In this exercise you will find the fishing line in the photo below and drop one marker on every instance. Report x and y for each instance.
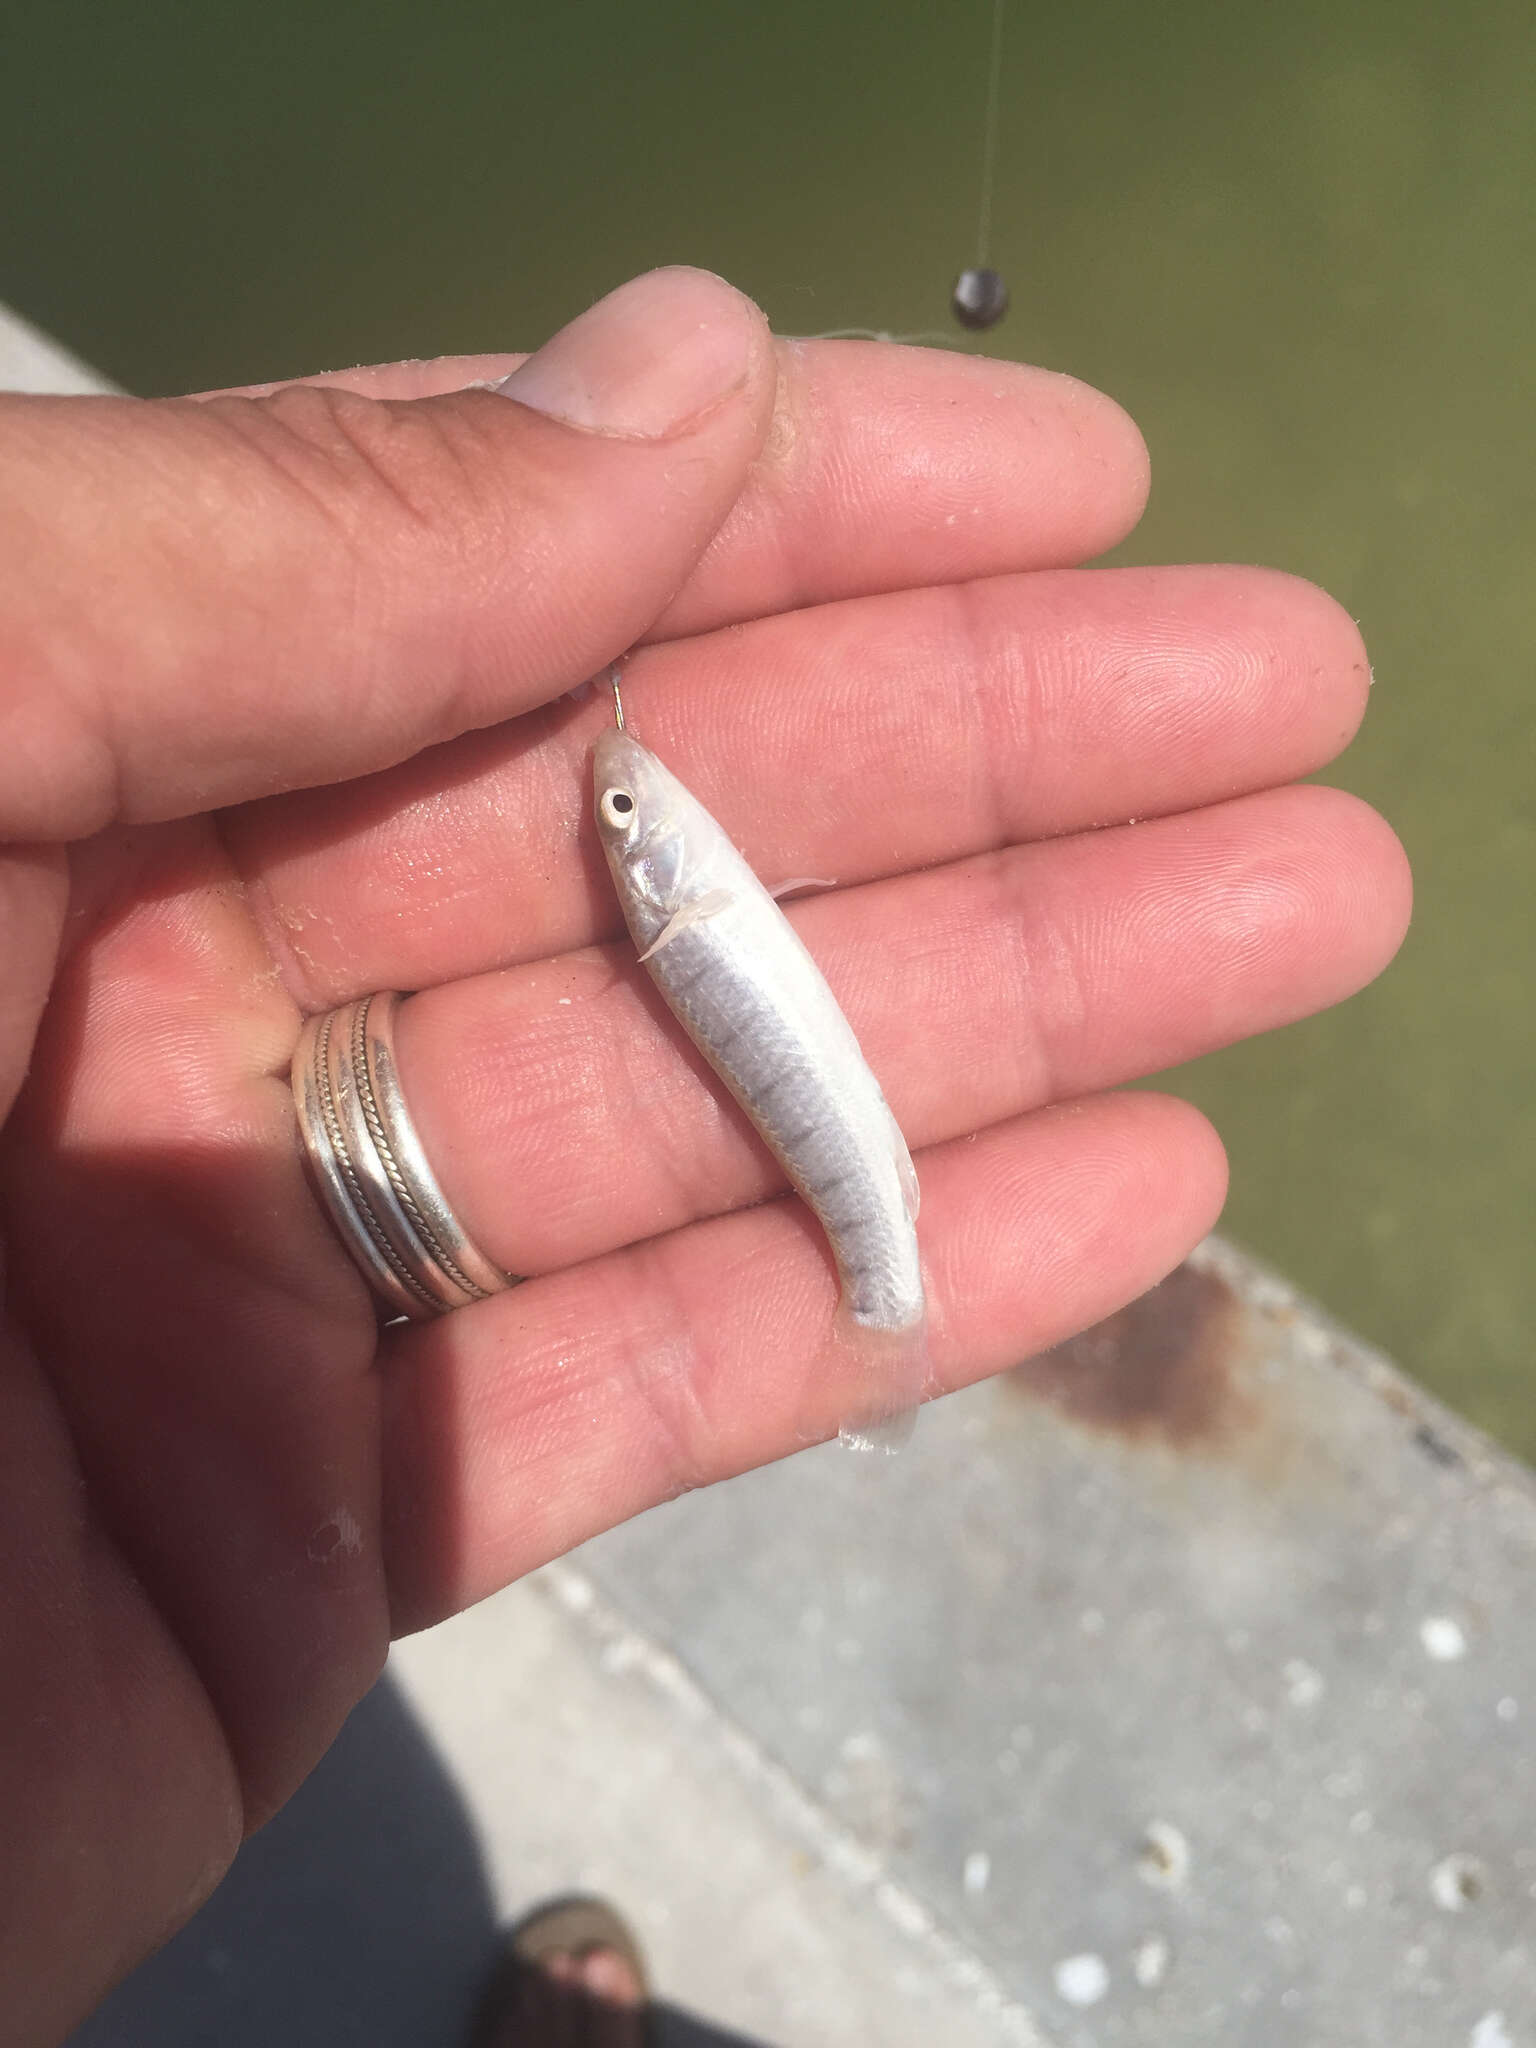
(989, 137)
(980, 297)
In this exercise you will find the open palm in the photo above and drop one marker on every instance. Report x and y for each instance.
(288, 676)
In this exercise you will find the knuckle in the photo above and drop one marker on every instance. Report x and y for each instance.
(60, 769)
(367, 463)
(673, 1371)
(1008, 706)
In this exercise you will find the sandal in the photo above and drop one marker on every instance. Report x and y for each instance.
(537, 1997)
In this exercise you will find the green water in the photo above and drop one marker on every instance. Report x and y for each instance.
(1297, 242)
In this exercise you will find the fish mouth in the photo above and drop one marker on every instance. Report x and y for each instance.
(618, 757)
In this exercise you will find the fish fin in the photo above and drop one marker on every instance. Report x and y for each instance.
(888, 1436)
(783, 889)
(906, 1172)
(708, 905)
(895, 1368)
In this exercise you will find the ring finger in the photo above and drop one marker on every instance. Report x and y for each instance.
(567, 1114)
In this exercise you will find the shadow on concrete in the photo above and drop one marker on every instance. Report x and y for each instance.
(674, 2029)
(361, 1915)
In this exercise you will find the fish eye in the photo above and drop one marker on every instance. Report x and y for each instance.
(618, 808)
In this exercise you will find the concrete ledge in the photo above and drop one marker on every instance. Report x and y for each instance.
(1182, 1677)
(33, 361)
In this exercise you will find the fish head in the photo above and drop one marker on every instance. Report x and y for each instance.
(641, 812)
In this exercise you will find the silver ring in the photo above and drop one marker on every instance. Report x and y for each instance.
(369, 1166)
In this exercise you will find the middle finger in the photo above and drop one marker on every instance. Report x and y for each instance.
(852, 741)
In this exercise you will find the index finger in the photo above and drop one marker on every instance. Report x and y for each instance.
(888, 467)
(203, 603)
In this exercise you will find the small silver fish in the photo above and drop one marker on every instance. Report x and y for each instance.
(749, 995)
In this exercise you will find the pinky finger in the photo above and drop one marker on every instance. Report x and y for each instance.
(518, 1428)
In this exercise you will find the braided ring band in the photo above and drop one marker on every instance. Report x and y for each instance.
(370, 1168)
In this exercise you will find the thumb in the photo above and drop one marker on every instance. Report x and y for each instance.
(206, 602)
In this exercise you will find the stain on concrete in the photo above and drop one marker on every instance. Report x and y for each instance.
(1161, 1369)
(1435, 1447)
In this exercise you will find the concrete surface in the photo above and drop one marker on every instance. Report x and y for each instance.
(1174, 1688)
(1177, 1687)
(1183, 1677)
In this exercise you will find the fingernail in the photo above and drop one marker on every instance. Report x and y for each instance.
(646, 360)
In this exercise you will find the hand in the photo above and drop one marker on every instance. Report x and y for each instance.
(283, 722)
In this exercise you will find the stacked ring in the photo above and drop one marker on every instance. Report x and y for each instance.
(372, 1173)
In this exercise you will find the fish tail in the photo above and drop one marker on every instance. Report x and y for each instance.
(893, 1373)
(887, 1436)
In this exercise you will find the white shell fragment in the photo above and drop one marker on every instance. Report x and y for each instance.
(1164, 1859)
(1457, 1882)
(1081, 1980)
(1443, 1638)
